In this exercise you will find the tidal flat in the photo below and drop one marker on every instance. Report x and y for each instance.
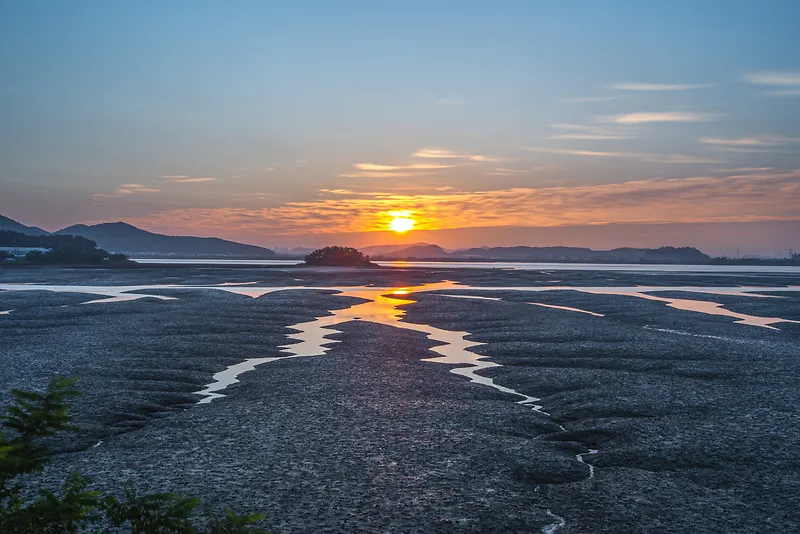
(582, 402)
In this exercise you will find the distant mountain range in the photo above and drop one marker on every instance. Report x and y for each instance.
(684, 255)
(14, 226)
(127, 239)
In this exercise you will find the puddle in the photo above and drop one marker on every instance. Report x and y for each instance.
(7, 312)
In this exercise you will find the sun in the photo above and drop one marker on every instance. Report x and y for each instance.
(401, 223)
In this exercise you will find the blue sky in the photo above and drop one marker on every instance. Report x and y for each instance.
(269, 121)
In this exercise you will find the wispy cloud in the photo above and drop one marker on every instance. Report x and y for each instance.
(650, 158)
(590, 153)
(180, 179)
(588, 136)
(451, 102)
(742, 170)
(754, 141)
(413, 166)
(440, 153)
(666, 116)
(127, 189)
(743, 197)
(656, 86)
(784, 83)
(678, 158)
(590, 99)
(588, 132)
(450, 159)
(505, 171)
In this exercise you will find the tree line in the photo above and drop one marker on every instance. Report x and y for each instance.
(61, 248)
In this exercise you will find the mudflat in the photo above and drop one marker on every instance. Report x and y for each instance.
(652, 418)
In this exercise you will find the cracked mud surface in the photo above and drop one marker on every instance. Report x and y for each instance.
(695, 417)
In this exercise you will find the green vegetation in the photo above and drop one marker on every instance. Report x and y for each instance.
(62, 248)
(338, 257)
(35, 416)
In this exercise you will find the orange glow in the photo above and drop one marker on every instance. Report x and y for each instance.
(401, 291)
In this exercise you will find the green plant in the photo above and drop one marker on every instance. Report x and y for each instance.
(34, 416)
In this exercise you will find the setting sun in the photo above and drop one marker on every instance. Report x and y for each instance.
(402, 221)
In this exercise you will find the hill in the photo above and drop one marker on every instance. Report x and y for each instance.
(683, 255)
(128, 239)
(376, 251)
(13, 226)
(423, 251)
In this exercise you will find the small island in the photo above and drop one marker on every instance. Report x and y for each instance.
(338, 257)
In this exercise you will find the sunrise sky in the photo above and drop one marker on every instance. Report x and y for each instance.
(294, 123)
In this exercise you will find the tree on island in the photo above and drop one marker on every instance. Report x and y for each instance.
(338, 257)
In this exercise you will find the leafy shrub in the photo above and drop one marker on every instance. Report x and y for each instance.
(33, 416)
(338, 257)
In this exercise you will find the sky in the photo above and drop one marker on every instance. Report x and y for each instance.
(300, 122)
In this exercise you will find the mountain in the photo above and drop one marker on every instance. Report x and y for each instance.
(14, 226)
(683, 255)
(127, 239)
(385, 250)
(417, 251)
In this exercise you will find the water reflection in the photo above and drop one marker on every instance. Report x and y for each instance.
(382, 307)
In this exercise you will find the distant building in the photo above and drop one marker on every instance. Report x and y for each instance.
(20, 252)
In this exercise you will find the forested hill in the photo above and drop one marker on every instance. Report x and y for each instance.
(62, 248)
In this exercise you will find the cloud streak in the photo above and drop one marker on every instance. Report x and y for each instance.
(653, 117)
(754, 141)
(783, 83)
(649, 158)
(180, 179)
(591, 99)
(656, 86)
(127, 189)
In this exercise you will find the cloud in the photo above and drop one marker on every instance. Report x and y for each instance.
(592, 153)
(749, 197)
(678, 158)
(656, 86)
(588, 136)
(755, 141)
(743, 170)
(783, 78)
(650, 158)
(126, 189)
(787, 81)
(132, 189)
(180, 179)
(413, 166)
(784, 92)
(668, 116)
(451, 102)
(439, 153)
(589, 99)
